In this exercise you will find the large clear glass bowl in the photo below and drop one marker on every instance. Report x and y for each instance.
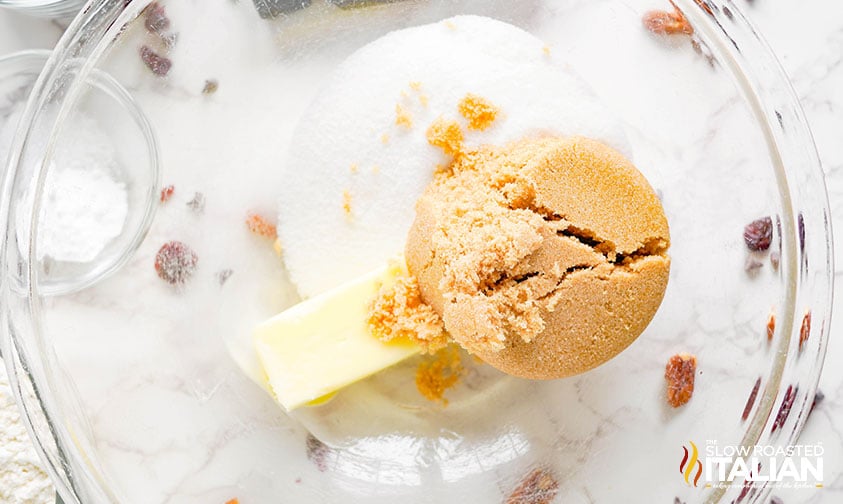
(133, 389)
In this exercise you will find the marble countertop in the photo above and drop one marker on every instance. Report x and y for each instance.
(808, 38)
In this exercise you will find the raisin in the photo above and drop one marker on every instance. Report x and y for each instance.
(758, 234)
(680, 374)
(159, 65)
(175, 262)
(538, 487)
(156, 18)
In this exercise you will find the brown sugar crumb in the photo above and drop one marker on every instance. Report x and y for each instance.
(546, 50)
(261, 226)
(399, 312)
(232, 501)
(538, 487)
(415, 85)
(680, 373)
(478, 111)
(771, 326)
(445, 134)
(354, 168)
(424, 100)
(346, 202)
(450, 25)
(403, 117)
(384, 139)
(439, 373)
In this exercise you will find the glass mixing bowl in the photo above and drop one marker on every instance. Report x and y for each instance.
(134, 389)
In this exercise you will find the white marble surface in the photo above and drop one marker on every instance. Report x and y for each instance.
(808, 37)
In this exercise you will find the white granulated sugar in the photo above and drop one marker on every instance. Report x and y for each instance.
(352, 123)
(22, 478)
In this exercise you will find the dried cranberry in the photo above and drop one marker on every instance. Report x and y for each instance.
(680, 374)
(159, 65)
(175, 262)
(758, 234)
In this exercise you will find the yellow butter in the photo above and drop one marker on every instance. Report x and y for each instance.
(323, 344)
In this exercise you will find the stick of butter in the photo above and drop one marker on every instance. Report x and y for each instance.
(323, 344)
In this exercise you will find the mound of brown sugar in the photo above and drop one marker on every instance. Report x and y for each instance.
(545, 258)
(399, 312)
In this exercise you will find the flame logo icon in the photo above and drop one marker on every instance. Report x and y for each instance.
(690, 462)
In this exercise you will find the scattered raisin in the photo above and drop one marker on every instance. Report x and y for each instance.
(804, 330)
(538, 487)
(197, 204)
(784, 409)
(758, 234)
(667, 23)
(261, 226)
(167, 193)
(175, 262)
(774, 499)
(680, 374)
(317, 452)
(159, 65)
(211, 86)
(750, 402)
(771, 326)
(156, 18)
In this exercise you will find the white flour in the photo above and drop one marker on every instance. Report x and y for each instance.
(22, 479)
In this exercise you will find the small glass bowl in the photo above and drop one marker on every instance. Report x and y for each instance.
(131, 387)
(45, 8)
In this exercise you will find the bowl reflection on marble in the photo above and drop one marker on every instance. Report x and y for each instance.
(134, 389)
